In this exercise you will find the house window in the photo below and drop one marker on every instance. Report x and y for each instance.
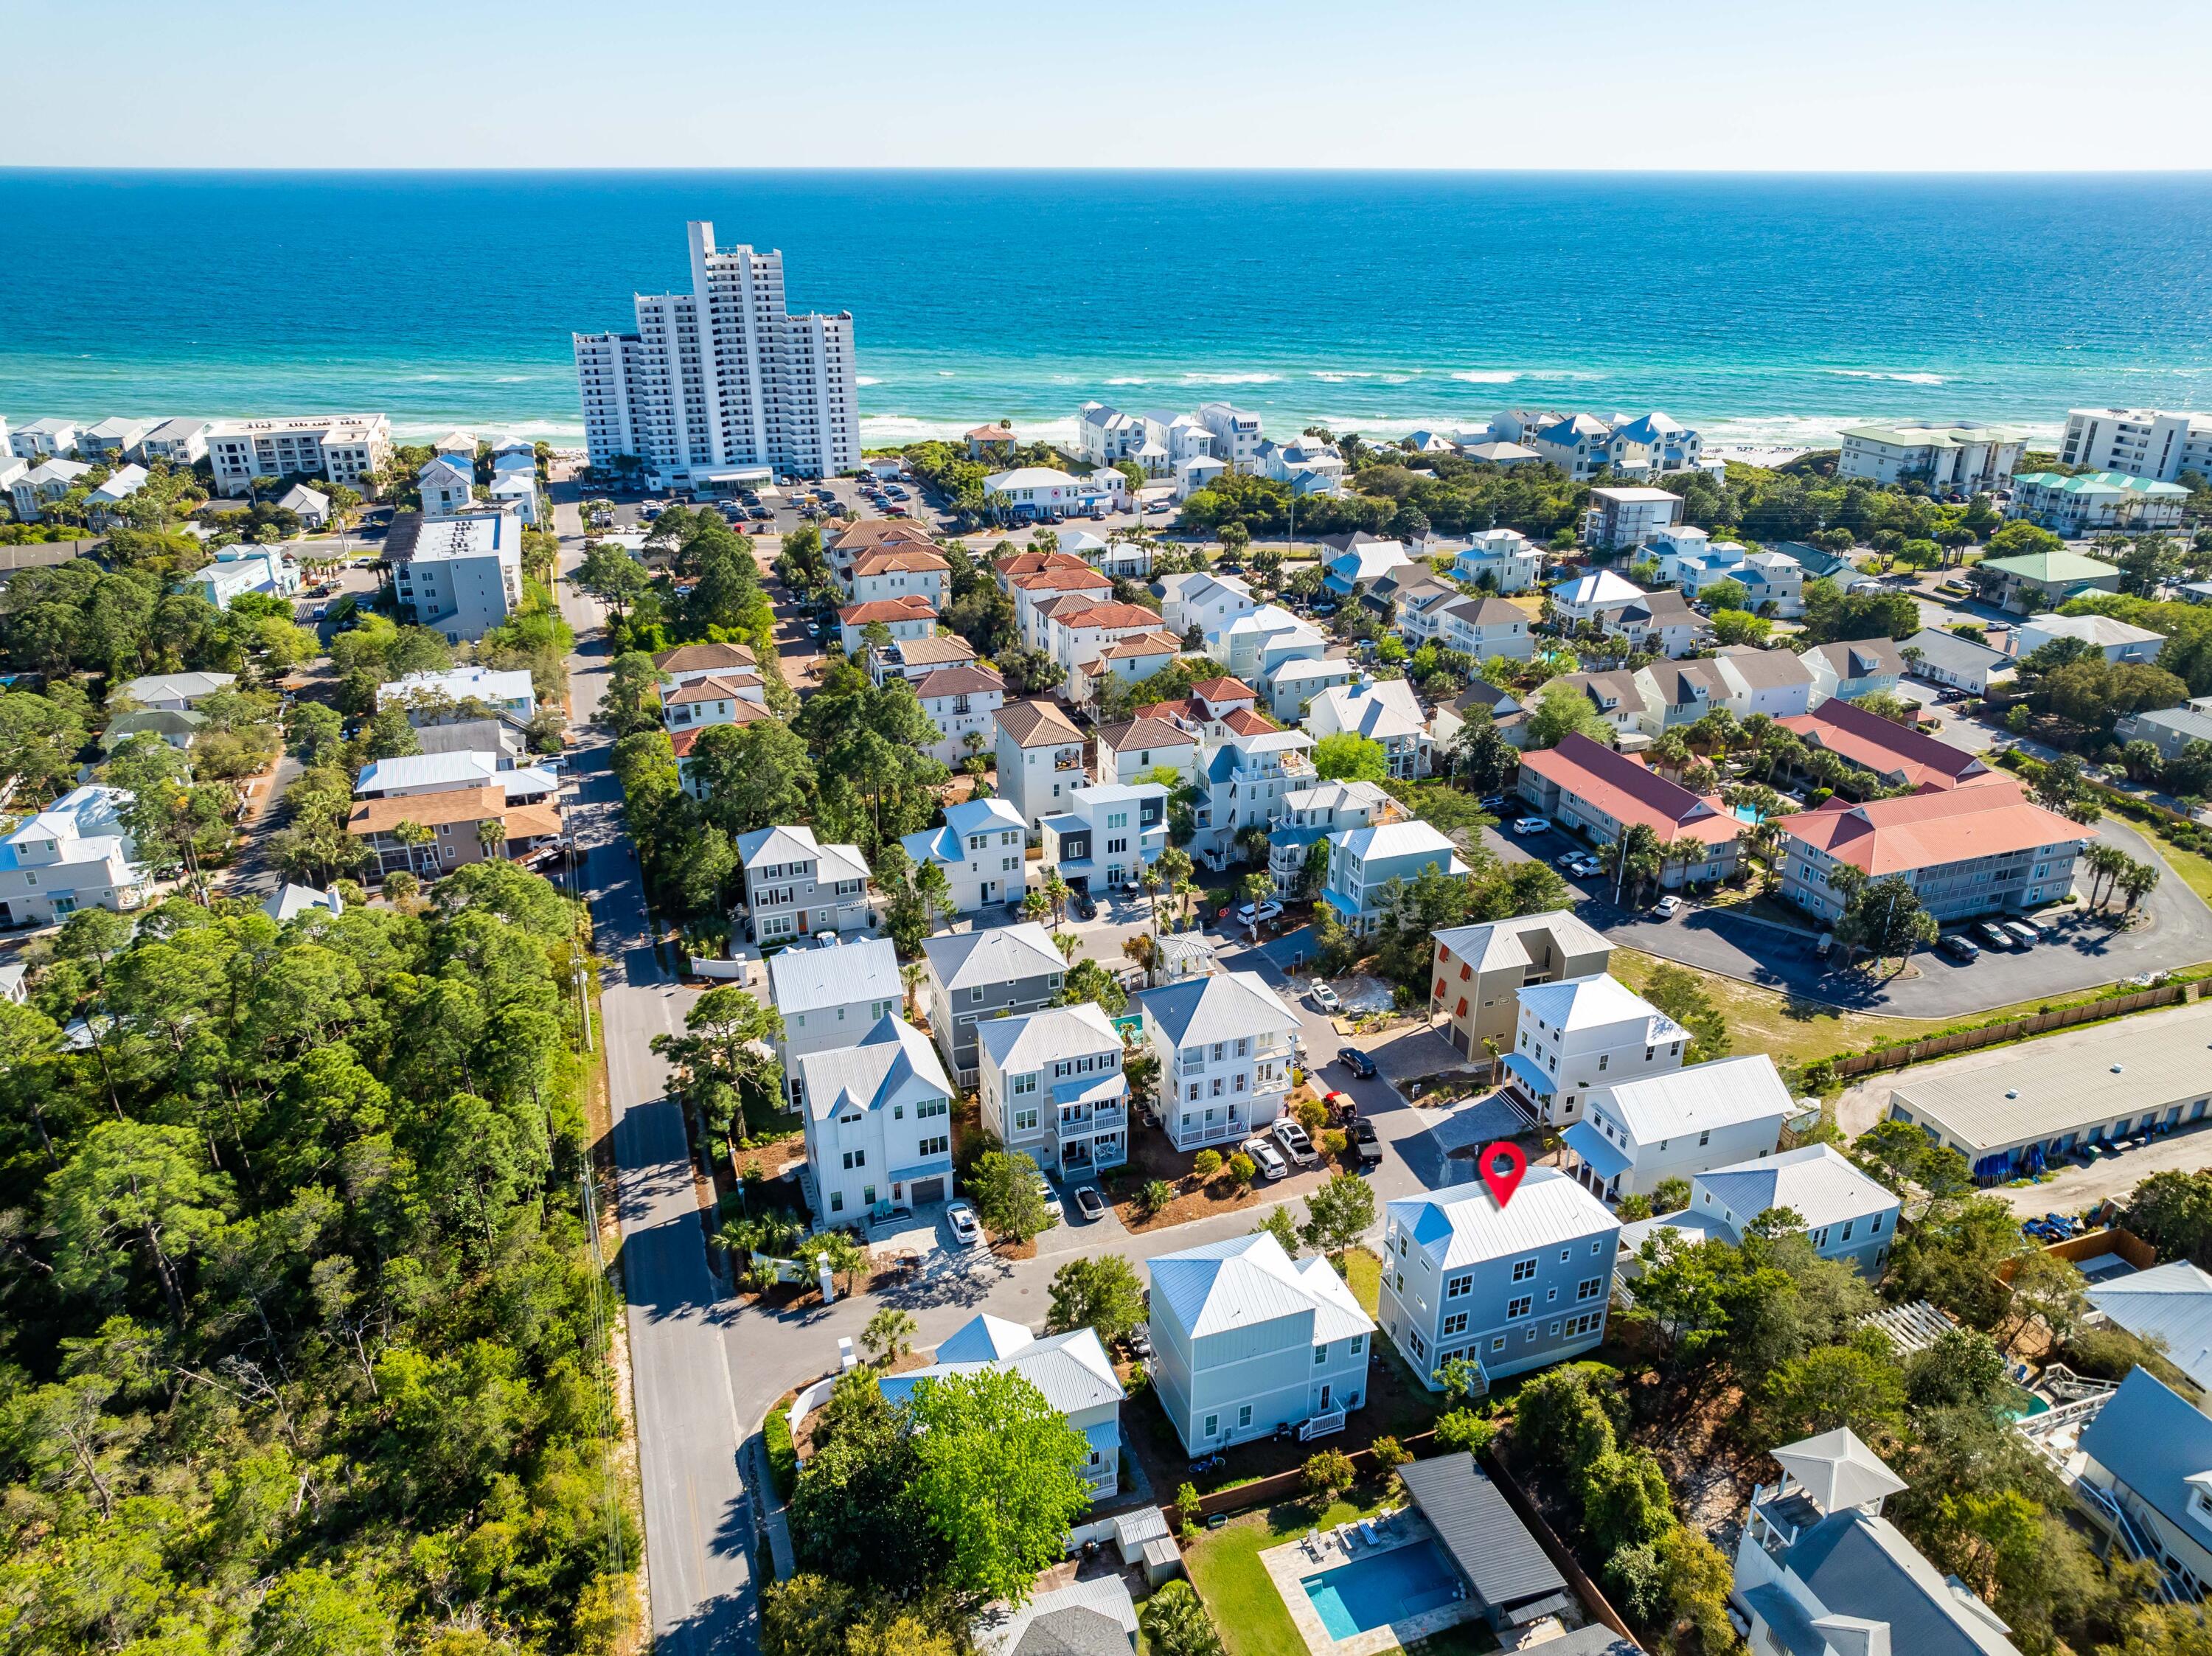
(1455, 1324)
(1026, 1121)
(1518, 1307)
(1498, 1343)
(1523, 1270)
(1321, 1355)
(1358, 1345)
(1846, 1236)
(855, 1159)
(1212, 1425)
(1243, 1415)
(1704, 1138)
(937, 1146)
(836, 1201)
(1589, 1289)
(1420, 1346)
(1457, 1287)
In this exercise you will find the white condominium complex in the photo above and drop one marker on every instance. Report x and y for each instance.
(720, 381)
(346, 448)
(2141, 442)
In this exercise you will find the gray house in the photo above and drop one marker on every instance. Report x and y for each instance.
(1946, 658)
(977, 975)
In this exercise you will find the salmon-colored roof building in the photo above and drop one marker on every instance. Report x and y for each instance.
(1928, 830)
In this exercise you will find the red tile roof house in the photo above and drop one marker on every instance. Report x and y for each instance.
(1966, 851)
(1604, 793)
(1896, 755)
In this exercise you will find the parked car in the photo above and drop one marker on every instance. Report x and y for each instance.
(1267, 1159)
(1669, 906)
(1366, 1143)
(1089, 1203)
(1252, 914)
(1084, 906)
(2025, 936)
(1492, 803)
(1586, 867)
(1529, 825)
(1051, 1197)
(1959, 947)
(1294, 1144)
(1567, 861)
(1994, 935)
(967, 1229)
(1356, 1061)
(1341, 1108)
(1324, 998)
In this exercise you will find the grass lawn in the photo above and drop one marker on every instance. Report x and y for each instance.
(1363, 1274)
(1224, 1564)
(2195, 869)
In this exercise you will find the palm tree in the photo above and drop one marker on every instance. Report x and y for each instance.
(1175, 868)
(1633, 858)
(1035, 905)
(413, 836)
(1685, 853)
(2106, 864)
(2136, 880)
(1056, 894)
(910, 974)
(1257, 888)
(1149, 877)
(491, 837)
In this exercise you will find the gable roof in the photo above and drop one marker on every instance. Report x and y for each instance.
(1813, 1181)
(2064, 565)
(2152, 1439)
(1032, 1039)
(808, 977)
(1949, 650)
(2171, 1304)
(908, 606)
(1766, 669)
(1884, 746)
(900, 560)
(1726, 1092)
(1859, 1565)
(1004, 954)
(706, 658)
(797, 843)
(1494, 944)
(883, 1063)
(1861, 658)
(1602, 588)
(1071, 1369)
(1248, 1281)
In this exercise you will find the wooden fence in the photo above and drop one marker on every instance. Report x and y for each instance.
(1292, 1485)
(2092, 1245)
(1968, 1041)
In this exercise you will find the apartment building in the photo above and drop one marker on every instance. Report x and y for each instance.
(1577, 1035)
(796, 886)
(879, 1123)
(721, 385)
(1889, 752)
(345, 448)
(1961, 457)
(1108, 835)
(1481, 969)
(1246, 1341)
(1588, 786)
(462, 575)
(1638, 1134)
(1312, 814)
(1223, 1044)
(1619, 518)
(1052, 1087)
(1966, 851)
(973, 977)
(1507, 1288)
(2089, 502)
(829, 992)
(2140, 442)
(979, 847)
(1041, 759)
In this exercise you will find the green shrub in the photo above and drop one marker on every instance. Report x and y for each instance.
(1463, 1428)
(1206, 1164)
(782, 1454)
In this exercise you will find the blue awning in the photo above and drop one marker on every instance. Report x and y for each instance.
(929, 1169)
(1596, 1150)
(1532, 1078)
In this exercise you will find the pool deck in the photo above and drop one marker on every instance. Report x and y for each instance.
(1288, 1565)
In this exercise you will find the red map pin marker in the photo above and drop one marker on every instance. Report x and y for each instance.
(1503, 1165)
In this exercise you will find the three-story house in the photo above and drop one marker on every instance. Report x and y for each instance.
(1223, 1044)
(973, 977)
(796, 888)
(1052, 1087)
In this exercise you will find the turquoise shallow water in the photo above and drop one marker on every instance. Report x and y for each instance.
(1760, 308)
(1382, 1588)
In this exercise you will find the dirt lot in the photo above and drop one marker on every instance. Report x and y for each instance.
(1151, 1156)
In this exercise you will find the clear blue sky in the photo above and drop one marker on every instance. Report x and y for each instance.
(1864, 85)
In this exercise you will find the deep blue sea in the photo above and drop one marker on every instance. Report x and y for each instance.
(1762, 309)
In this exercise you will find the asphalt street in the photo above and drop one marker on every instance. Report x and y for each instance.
(697, 1522)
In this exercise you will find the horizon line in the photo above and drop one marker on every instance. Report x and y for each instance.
(13, 169)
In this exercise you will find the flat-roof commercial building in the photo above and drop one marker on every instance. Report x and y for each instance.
(346, 448)
(2012, 1108)
(2141, 442)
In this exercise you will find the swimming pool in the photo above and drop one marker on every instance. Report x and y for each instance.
(1382, 1588)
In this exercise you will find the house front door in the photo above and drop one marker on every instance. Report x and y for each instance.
(1325, 1391)
(802, 923)
(987, 891)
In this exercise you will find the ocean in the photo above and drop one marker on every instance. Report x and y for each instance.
(1762, 309)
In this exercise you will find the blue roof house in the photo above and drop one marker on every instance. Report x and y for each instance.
(1363, 861)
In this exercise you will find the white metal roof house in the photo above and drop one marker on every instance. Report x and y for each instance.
(1847, 1217)
(289, 901)
(1223, 1044)
(1677, 1124)
(796, 886)
(1579, 1034)
(2170, 1304)
(973, 977)
(1819, 1569)
(177, 691)
(878, 1121)
(1246, 1340)
(1052, 1087)
(828, 993)
(1073, 1370)
(979, 847)
(73, 854)
(1511, 1288)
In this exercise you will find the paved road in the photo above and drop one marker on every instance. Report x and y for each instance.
(697, 1522)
